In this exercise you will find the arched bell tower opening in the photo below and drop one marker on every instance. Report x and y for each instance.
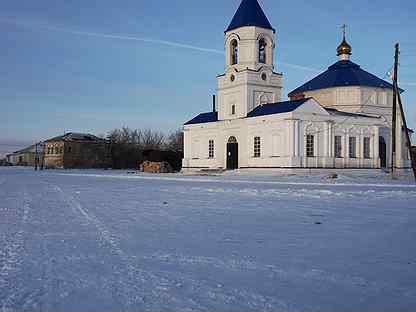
(262, 51)
(232, 153)
(234, 52)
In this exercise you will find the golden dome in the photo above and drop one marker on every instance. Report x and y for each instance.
(344, 48)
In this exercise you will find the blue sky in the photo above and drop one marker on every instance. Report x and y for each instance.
(95, 65)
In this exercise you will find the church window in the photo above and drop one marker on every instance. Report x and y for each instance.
(310, 145)
(232, 78)
(234, 52)
(264, 76)
(233, 109)
(353, 147)
(257, 147)
(338, 146)
(367, 147)
(262, 51)
(211, 149)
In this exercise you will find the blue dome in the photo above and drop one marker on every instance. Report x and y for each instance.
(342, 74)
(249, 13)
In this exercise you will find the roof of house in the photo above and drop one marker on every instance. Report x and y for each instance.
(204, 118)
(249, 13)
(75, 137)
(342, 74)
(276, 108)
(29, 149)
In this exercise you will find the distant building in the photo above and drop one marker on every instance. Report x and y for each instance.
(77, 151)
(24, 157)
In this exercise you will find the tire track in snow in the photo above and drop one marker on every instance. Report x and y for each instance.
(11, 258)
(343, 280)
(129, 297)
(154, 291)
(131, 292)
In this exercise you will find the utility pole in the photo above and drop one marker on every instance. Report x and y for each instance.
(408, 141)
(394, 115)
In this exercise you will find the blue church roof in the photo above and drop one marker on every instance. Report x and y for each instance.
(263, 110)
(276, 108)
(342, 74)
(249, 13)
(204, 118)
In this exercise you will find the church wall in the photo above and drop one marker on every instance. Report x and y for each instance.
(371, 101)
(344, 98)
(374, 101)
(283, 142)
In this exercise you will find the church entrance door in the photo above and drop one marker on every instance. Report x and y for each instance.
(383, 152)
(232, 153)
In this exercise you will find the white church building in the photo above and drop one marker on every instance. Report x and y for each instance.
(339, 119)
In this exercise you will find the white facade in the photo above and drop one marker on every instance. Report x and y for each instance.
(340, 127)
(283, 140)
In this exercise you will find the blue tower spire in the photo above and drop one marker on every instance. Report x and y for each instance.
(249, 13)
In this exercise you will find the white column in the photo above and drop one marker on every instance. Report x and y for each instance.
(331, 139)
(326, 139)
(346, 150)
(360, 152)
(294, 138)
(296, 125)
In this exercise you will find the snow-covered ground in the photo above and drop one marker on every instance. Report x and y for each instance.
(107, 240)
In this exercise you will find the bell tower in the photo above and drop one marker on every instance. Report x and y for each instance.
(249, 79)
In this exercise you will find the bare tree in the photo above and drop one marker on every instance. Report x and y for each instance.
(152, 139)
(174, 141)
(127, 145)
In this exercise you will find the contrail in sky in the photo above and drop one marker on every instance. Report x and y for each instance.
(131, 38)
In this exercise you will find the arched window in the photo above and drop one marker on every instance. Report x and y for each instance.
(234, 52)
(262, 51)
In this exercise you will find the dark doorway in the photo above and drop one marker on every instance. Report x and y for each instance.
(383, 152)
(232, 154)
